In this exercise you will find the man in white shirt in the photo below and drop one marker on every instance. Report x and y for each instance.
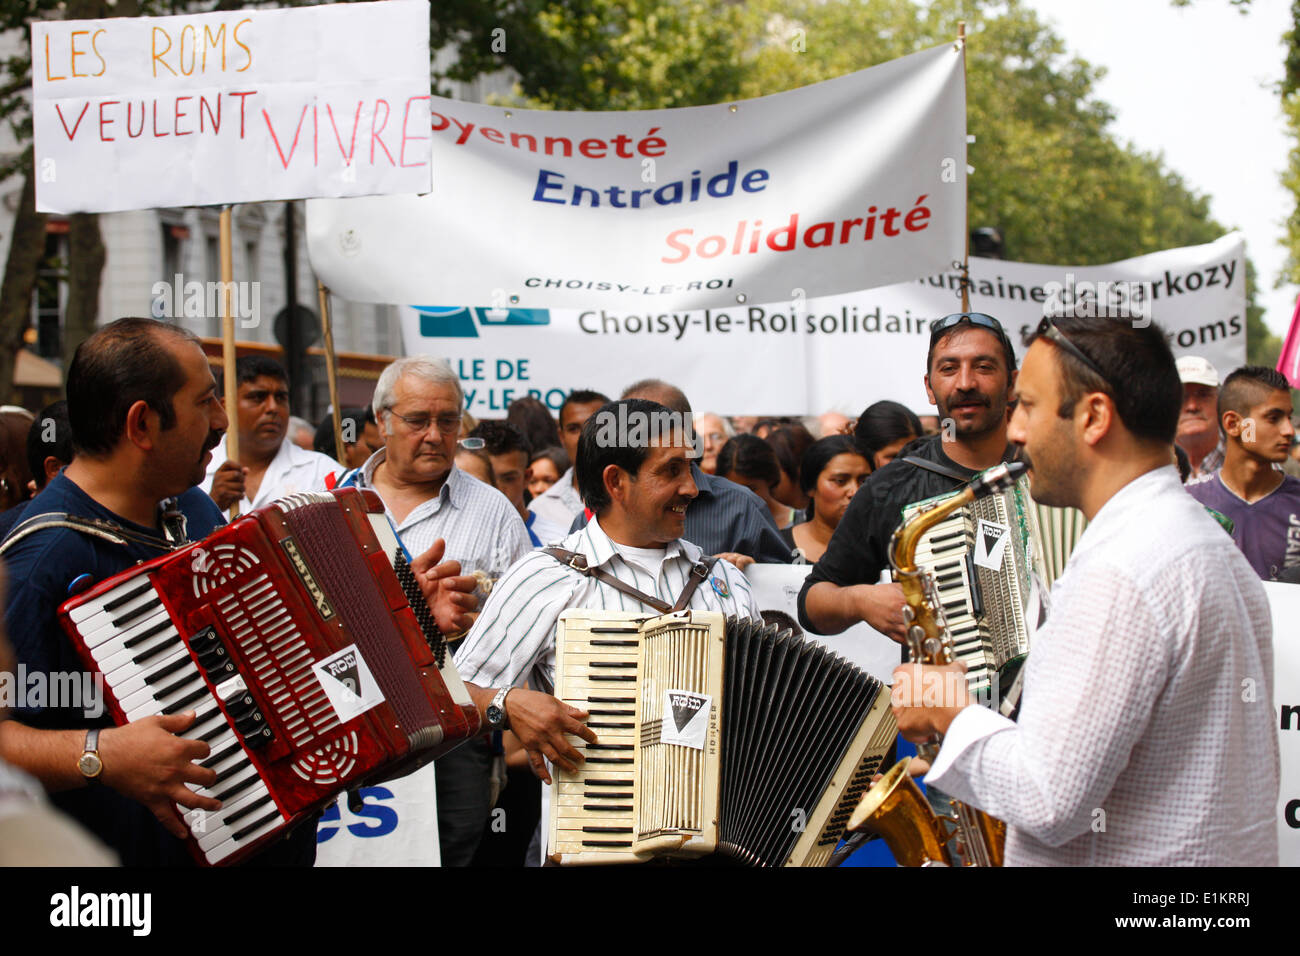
(418, 403)
(1146, 733)
(559, 504)
(270, 465)
(639, 492)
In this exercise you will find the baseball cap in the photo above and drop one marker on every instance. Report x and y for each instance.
(1194, 370)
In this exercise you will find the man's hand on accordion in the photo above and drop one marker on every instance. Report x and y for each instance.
(541, 721)
(449, 593)
(147, 762)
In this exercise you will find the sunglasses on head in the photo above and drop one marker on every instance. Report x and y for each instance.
(939, 326)
(1048, 329)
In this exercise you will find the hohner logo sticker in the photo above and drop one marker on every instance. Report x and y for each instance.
(348, 683)
(990, 544)
(686, 718)
(308, 579)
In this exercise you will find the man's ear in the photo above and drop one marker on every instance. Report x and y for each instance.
(1231, 423)
(616, 482)
(1095, 414)
(929, 393)
(141, 425)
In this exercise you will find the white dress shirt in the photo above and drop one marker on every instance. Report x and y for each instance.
(514, 638)
(482, 529)
(292, 470)
(1146, 733)
(558, 505)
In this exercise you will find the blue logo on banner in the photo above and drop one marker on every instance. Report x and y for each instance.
(438, 321)
(383, 818)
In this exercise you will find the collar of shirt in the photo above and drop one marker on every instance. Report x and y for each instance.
(1126, 507)
(563, 491)
(593, 542)
(452, 491)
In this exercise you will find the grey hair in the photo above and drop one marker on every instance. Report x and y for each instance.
(426, 367)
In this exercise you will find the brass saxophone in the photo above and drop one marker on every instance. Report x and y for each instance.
(894, 808)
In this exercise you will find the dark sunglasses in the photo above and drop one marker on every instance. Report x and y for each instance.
(1048, 329)
(940, 326)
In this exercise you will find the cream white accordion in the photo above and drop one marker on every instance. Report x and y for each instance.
(715, 736)
(983, 558)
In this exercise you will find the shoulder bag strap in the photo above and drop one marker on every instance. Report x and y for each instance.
(578, 562)
(937, 468)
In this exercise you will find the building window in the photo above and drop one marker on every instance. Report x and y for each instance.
(50, 297)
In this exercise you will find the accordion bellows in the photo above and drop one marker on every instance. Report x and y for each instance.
(715, 736)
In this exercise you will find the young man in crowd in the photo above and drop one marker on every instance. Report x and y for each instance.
(1263, 502)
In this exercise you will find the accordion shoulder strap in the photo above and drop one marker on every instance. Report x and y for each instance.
(937, 468)
(578, 561)
(94, 527)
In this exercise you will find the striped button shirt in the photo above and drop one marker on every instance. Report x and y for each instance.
(482, 529)
(514, 638)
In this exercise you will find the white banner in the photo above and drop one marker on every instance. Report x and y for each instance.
(1285, 602)
(811, 355)
(397, 825)
(238, 106)
(848, 184)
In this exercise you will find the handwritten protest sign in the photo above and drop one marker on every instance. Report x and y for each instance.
(238, 106)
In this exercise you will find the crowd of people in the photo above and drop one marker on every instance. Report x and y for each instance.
(1158, 618)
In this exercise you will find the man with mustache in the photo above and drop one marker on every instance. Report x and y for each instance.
(1198, 419)
(270, 464)
(970, 374)
(145, 416)
(1264, 503)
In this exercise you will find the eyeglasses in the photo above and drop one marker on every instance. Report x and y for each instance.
(448, 424)
(1048, 329)
(472, 444)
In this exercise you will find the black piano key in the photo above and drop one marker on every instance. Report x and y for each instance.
(611, 700)
(610, 760)
(613, 677)
(129, 596)
(610, 747)
(188, 680)
(144, 610)
(256, 825)
(177, 706)
(607, 783)
(607, 844)
(210, 735)
(614, 795)
(237, 788)
(621, 665)
(147, 633)
(611, 725)
(607, 808)
(607, 643)
(221, 756)
(595, 829)
(251, 807)
(162, 647)
(156, 677)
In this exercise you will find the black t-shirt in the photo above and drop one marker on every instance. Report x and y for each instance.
(41, 567)
(859, 549)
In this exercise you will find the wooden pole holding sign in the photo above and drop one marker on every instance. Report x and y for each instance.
(331, 371)
(965, 259)
(228, 343)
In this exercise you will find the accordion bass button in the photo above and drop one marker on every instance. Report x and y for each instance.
(908, 614)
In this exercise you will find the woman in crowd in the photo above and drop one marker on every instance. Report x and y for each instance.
(790, 441)
(545, 469)
(748, 460)
(883, 429)
(832, 471)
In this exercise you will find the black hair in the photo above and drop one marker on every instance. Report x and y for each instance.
(1247, 386)
(750, 457)
(603, 443)
(883, 423)
(534, 421)
(581, 396)
(1136, 358)
(819, 455)
(52, 420)
(249, 367)
(323, 441)
(500, 438)
(790, 442)
(1184, 464)
(125, 362)
(556, 455)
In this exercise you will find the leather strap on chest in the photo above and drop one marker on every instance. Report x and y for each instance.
(577, 561)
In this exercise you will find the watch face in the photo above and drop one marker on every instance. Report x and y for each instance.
(495, 715)
(90, 765)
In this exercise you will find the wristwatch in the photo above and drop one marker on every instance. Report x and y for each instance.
(89, 763)
(496, 711)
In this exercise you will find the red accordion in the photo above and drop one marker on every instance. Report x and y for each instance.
(299, 636)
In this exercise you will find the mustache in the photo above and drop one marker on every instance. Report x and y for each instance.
(966, 398)
(214, 439)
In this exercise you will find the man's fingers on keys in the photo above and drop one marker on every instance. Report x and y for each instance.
(191, 800)
(576, 726)
(538, 764)
(203, 776)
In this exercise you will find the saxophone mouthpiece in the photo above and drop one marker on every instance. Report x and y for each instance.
(998, 478)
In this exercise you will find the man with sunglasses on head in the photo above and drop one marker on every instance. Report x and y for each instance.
(1146, 734)
(418, 403)
(970, 374)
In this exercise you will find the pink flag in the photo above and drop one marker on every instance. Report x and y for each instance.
(1288, 363)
